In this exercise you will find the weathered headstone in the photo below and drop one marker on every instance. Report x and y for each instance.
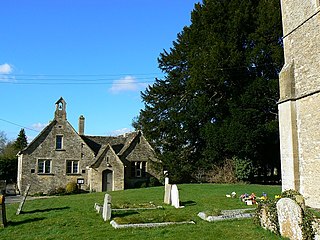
(23, 200)
(167, 194)
(290, 218)
(106, 212)
(175, 196)
(3, 219)
(166, 180)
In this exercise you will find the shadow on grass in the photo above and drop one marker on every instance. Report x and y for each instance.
(188, 203)
(44, 210)
(11, 223)
(124, 213)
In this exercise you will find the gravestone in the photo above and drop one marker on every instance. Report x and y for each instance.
(175, 196)
(167, 194)
(290, 218)
(166, 180)
(23, 200)
(106, 212)
(3, 219)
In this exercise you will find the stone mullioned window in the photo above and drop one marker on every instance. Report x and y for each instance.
(44, 166)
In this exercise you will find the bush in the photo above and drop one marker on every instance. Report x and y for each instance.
(71, 187)
(56, 191)
(244, 169)
(8, 169)
(153, 182)
(224, 173)
(60, 191)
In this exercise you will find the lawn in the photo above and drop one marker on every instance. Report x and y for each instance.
(74, 217)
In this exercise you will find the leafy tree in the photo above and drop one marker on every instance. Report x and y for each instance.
(9, 151)
(8, 169)
(3, 140)
(218, 97)
(8, 155)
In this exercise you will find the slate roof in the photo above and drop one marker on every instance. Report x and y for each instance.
(118, 144)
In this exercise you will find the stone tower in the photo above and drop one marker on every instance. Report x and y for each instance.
(299, 104)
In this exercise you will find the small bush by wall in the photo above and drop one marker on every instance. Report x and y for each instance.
(71, 187)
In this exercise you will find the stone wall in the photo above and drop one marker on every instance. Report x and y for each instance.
(140, 150)
(109, 162)
(44, 148)
(299, 103)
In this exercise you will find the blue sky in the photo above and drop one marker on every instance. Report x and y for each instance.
(97, 54)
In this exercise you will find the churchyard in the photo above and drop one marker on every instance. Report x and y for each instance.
(74, 216)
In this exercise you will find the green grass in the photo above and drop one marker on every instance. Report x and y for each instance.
(73, 216)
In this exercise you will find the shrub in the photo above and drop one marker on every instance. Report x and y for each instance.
(153, 182)
(224, 173)
(60, 191)
(38, 194)
(244, 169)
(52, 191)
(71, 187)
(56, 191)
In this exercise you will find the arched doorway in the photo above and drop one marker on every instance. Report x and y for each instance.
(107, 182)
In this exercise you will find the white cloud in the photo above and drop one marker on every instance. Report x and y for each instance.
(120, 132)
(39, 126)
(5, 68)
(128, 83)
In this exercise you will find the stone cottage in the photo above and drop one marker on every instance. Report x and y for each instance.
(299, 103)
(59, 155)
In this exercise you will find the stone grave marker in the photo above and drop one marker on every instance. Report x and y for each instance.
(175, 196)
(3, 219)
(167, 194)
(290, 218)
(106, 212)
(166, 180)
(23, 200)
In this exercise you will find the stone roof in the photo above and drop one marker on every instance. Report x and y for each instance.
(118, 143)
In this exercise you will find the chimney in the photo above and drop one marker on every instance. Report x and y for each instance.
(81, 125)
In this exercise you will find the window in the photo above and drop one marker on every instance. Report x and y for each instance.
(138, 169)
(72, 167)
(44, 166)
(59, 139)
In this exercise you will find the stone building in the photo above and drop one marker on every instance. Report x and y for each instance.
(59, 155)
(299, 104)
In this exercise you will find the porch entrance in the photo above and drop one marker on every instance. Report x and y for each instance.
(107, 183)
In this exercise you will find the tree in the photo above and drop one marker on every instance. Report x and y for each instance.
(8, 155)
(3, 140)
(21, 141)
(218, 97)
